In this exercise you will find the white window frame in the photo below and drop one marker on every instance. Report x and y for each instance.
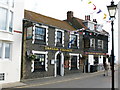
(99, 44)
(74, 54)
(3, 51)
(46, 59)
(78, 39)
(92, 43)
(41, 26)
(9, 9)
(63, 36)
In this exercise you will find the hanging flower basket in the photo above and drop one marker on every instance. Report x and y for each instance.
(32, 57)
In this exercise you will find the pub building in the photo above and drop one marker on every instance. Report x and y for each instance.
(50, 47)
(95, 41)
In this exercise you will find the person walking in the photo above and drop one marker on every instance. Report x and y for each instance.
(105, 69)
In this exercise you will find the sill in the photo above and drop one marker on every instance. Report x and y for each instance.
(74, 47)
(5, 60)
(4, 31)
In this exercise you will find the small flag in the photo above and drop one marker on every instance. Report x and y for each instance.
(104, 16)
(81, 32)
(94, 7)
(90, 33)
(89, 2)
(99, 11)
(70, 42)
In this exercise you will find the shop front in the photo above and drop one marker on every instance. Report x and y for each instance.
(94, 61)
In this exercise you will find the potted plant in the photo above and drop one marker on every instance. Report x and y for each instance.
(32, 57)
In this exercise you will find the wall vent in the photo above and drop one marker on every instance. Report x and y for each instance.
(2, 76)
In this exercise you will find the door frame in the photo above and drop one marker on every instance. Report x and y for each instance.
(61, 64)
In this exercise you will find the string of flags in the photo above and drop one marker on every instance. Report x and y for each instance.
(98, 11)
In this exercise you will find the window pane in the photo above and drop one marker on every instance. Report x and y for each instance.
(3, 18)
(11, 2)
(0, 50)
(4, 1)
(74, 62)
(7, 50)
(29, 32)
(40, 33)
(39, 63)
(11, 21)
(74, 39)
(59, 36)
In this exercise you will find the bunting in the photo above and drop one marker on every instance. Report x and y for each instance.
(104, 16)
(99, 11)
(94, 7)
(69, 44)
(89, 2)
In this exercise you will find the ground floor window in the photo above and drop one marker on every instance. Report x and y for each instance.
(73, 62)
(39, 62)
(5, 50)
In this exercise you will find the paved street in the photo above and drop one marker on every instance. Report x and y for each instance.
(90, 80)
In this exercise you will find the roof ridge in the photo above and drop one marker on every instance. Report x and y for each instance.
(44, 15)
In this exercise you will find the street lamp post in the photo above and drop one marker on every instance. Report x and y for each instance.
(112, 12)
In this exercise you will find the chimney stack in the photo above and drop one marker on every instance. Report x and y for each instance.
(87, 17)
(94, 20)
(69, 16)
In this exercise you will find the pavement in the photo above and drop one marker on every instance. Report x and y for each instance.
(28, 82)
(46, 80)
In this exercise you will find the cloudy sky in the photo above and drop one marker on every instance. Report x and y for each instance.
(58, 9)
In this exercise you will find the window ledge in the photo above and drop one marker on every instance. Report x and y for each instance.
(4, 31)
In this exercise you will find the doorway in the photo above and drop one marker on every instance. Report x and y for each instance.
(59, 64)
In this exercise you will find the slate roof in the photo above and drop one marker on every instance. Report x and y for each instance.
(36, 17)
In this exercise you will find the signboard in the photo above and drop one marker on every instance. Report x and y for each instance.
(95, 53)
(58, 49)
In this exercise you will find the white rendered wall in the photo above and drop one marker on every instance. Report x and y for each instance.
(91, 59)
(100, 58)
(12, 67)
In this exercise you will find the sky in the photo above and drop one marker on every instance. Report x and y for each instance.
(58, 9)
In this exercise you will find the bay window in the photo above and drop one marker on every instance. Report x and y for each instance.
(11, 21)
(6, 15)
(3, 18)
